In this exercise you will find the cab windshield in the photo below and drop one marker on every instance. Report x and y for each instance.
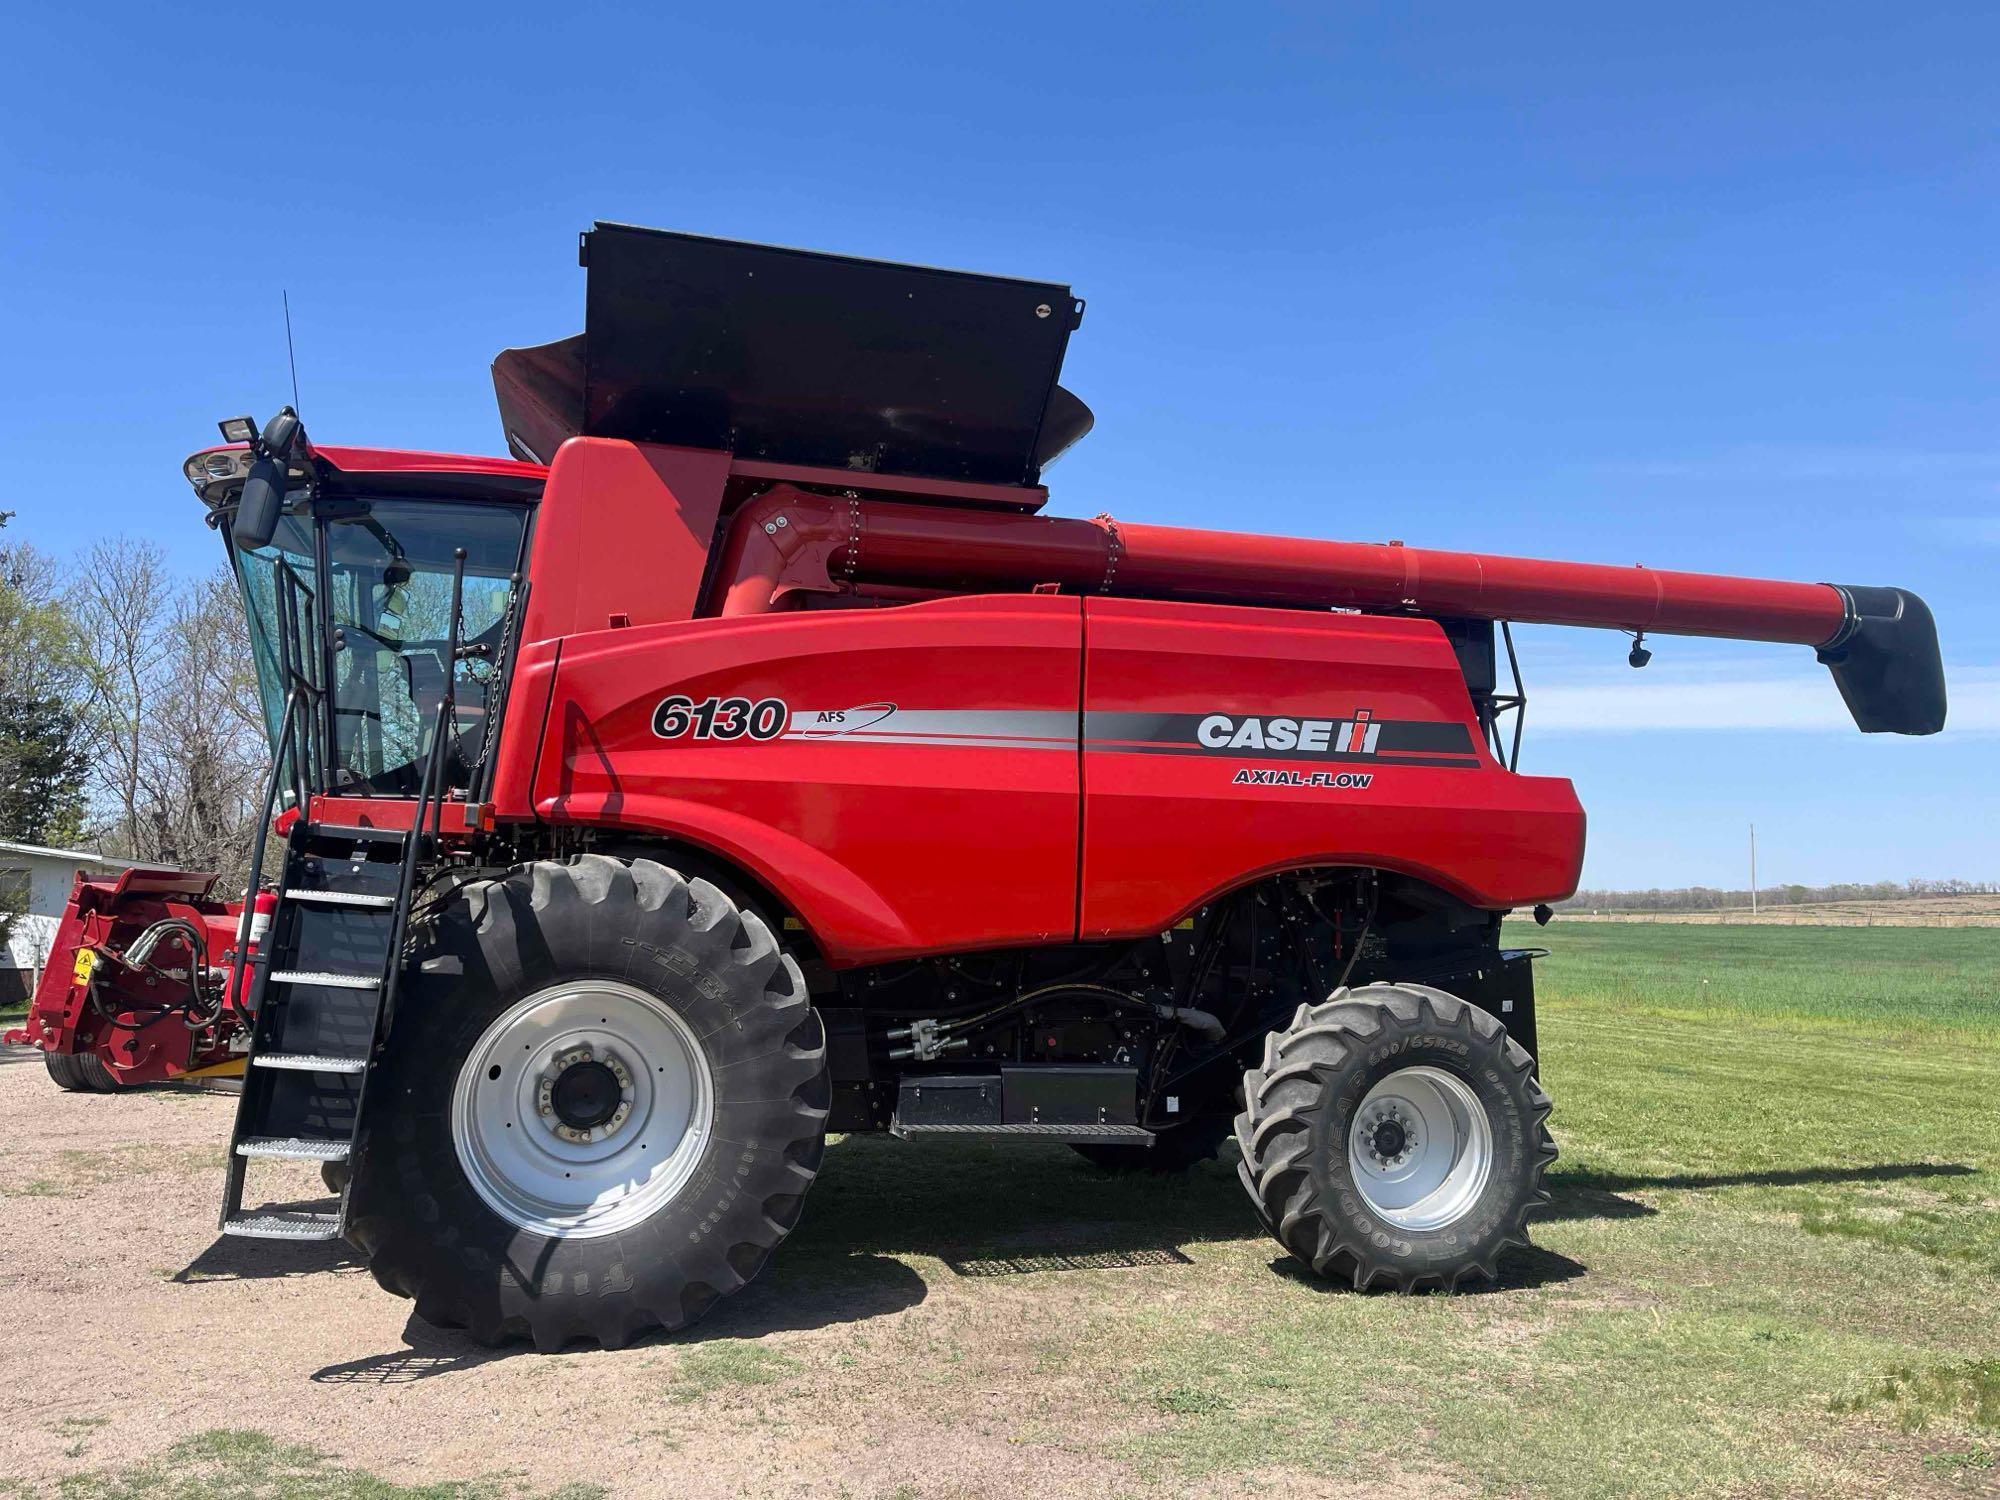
(357, 591)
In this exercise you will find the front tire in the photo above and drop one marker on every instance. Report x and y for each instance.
(602, 1104)
(1395, 1133)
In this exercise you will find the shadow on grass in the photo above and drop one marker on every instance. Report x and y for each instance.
(233, 1259)
(1583, 1194)
(987, 1209)
(980, 1209)
(984, 1210)
(1520, 1271)
(1613, 1182)
(783, 1299)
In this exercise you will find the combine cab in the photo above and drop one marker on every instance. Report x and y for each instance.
(748, 758)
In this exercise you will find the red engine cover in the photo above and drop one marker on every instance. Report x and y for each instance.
(918, 779)
(1222, 743)
(919, 794)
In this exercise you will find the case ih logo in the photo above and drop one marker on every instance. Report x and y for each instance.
(1356, 736)
(1361, 735)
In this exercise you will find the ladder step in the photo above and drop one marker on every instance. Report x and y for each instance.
(293, 1148)
(309, 1062)
(283, 1226)
(323, 979)
(340, 898)
(1077, 1134)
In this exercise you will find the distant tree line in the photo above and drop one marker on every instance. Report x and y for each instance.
(129, 718)
(1705, 898)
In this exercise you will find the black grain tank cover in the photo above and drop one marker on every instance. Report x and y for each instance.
(793, 356)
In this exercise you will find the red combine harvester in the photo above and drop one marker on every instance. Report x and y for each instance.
(748, 759)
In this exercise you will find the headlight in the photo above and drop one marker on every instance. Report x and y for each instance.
(204, 469)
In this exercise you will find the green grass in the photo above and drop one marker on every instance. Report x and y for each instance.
(79, 1430)
(1781, 1190)
(1771, 1266)
(704, 1369)
(1854, 1095)
(1920, 977)
(79, 1171)
(1968, 1392)
(228, 1464)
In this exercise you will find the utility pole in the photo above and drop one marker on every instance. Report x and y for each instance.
(1753, 869)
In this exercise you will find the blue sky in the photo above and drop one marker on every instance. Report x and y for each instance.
(1704, 287)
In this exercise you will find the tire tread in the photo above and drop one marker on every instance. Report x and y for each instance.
(1282, 1103)
(780, 1056)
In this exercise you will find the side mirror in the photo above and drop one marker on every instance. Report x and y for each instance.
(281, 434)
(262, 502)
(263, 499)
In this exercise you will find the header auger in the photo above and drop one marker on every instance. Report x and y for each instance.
(748, 759)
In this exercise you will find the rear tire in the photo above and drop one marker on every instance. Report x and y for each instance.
(80, 1073)
(1395, 1133)
(706, 1036)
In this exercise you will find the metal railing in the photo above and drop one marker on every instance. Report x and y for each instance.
(432, 794)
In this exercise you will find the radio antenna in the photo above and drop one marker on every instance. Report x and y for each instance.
(290, 354)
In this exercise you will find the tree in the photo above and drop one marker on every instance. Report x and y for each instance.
(120, 603)
(203, 758)
(175, 728)
(43, 751)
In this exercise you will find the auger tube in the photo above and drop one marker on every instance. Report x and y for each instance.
(1881, 643)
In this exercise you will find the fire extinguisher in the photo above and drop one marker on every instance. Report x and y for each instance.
(257, 913)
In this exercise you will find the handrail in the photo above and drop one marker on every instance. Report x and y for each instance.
(279, 760)
(407, 875)
(430, 786)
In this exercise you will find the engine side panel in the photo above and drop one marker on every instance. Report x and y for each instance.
(914, 790)
(1224, 742)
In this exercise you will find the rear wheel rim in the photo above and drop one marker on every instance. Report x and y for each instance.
(1420, 1148)
(537, 1135)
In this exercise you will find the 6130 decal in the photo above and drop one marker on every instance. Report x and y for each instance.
(720, 718)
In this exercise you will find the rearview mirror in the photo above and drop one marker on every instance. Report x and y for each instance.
(262, 502)
(263, 499)
(280, 433)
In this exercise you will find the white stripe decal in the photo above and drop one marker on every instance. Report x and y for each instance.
(986, 729)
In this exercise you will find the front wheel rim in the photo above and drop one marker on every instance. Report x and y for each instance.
(583, 1109)
(1420, 1148)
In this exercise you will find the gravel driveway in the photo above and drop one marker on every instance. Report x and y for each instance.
(909, 1340)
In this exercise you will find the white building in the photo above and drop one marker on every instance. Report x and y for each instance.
(36, 882)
